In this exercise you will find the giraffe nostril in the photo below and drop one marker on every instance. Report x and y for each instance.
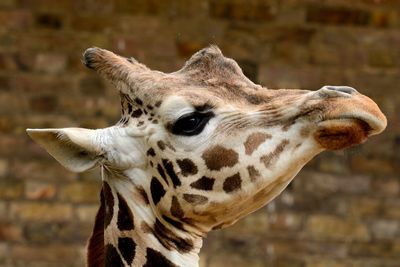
(336, 91)
(343, 89)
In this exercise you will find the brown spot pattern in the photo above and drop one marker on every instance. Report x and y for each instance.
(254, 140)
(112, 258)
(161, 145)
(195, 199)
(169, 168)
(156, 259)
(138, 101)
(187, 167)
(218, 157)
(169, 240)
(176, 209)
(254, 174)
(271, 157)
(143, 194)
(232, 183)
(125, 216)
(162, 173)
(137, 113)
(151, 152)
(157, 190)
(109, 201)
(174, 223)
(204, 183)
(254, 99)
(168, 144)
(145, 228)
(127, 247)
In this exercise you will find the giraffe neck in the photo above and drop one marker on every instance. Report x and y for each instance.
(134, 234)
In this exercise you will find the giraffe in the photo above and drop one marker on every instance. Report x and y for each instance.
(196, 150)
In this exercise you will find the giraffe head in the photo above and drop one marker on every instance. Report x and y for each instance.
(206, 145)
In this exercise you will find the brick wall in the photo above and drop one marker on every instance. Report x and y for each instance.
(342, 210)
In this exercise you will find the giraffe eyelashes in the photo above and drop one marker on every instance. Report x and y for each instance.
(192, 123)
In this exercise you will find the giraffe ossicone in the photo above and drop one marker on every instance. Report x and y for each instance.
(196, 150)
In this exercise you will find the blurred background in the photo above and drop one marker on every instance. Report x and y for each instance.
(343, 209)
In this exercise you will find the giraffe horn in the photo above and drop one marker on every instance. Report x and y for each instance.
(209, 63)
(113, 67)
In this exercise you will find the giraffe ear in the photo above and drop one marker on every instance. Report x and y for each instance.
(75, 148)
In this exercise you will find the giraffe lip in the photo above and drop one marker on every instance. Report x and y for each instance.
(339, 133)
(372, 125)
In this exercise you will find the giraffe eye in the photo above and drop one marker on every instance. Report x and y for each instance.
(191, 124)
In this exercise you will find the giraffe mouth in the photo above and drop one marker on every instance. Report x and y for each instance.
(339, 133)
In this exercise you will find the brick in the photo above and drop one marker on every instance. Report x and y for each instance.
(325, 262)
(329, 249)
(39, 83)
(11, 189)
(392, 208)
(41, 170)
(66, 233)
(385, 229)
(93, 23)
(98, 7)
(10, 232)
(49, 20)
(387, 186)
(40, 212)
(53, 253)
(4, 252)
(325, 227)
(6, 126)
(37, 190)
(16, 19)
(382, 57)
(47, 5)
(188, 48)
(323, 183)
(87, 213)
(43, 103)
(338, 15)
(290, 52)
(4, 165)
(285, 76)
(383, 18)
(371, 82)
(285, 222)
(50, 63)
(254, 10)
(3, 209)
(234, 259)
(333, 163)
(363, 207)
(250, 225)
(371, 165)
(4, 81)
(91, 86)
(8, 3)
(374, 249)
(79, 192)
(151, 7)
(250, 69)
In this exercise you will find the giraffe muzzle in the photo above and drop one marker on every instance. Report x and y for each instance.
(350, 118)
